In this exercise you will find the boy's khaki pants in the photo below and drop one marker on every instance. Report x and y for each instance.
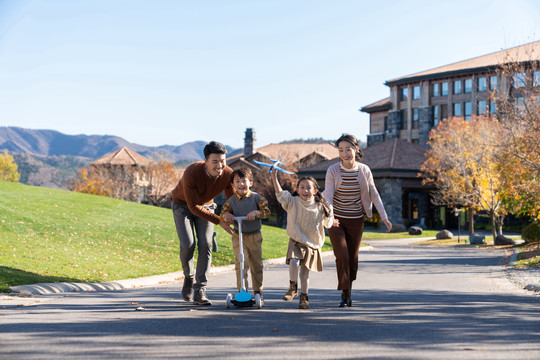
(252, 259)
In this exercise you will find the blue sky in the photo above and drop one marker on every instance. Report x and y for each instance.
(169, 72)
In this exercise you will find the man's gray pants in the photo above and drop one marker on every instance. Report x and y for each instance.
(189, 226)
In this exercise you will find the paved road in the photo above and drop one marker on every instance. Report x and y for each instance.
(409, 303)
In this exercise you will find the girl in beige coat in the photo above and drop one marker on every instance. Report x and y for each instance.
(307, 215)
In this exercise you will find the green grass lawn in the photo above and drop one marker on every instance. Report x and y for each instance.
(464, 241)
(49, 235)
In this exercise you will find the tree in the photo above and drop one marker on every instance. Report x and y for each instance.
(518, 111)
(163, 178)
(88, 183)
(153, 182)
(8, 168)
(463, 163)
(115, 181)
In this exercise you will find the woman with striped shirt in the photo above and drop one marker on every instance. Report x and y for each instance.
(350, 189)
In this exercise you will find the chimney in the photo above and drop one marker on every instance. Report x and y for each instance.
(249, 142)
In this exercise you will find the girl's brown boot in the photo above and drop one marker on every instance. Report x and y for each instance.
(292, 292)
(304, 301)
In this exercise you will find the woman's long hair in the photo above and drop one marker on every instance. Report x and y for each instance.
(319, 198)
(351, 139)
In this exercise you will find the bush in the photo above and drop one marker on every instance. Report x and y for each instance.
(531, 232)
(482, 226)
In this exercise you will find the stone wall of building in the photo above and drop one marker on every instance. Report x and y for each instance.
(390, 191)
(394, 119)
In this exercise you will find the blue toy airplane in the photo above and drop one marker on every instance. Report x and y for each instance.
(274, 166)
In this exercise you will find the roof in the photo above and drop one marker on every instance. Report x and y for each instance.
(380, 105)
(523, 53)
(292, 151)
(123, 156)
(320, 166)
(394, 154)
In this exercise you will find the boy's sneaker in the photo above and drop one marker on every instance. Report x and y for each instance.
(187, 289)
(260, 294)
(200, 298)
(292, 292)
(304, 301)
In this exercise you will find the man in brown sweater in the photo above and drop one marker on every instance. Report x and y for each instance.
(193, 209)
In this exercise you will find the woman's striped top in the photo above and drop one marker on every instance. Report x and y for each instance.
(347, 202)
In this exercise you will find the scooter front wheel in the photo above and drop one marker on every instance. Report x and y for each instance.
(228, 301)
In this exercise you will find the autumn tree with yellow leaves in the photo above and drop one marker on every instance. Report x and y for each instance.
(518, 112)
(463, 163)
(89, 183)
(8, 168)
(493, 162)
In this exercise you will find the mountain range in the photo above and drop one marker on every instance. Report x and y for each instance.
(54, 143)
(50, 158)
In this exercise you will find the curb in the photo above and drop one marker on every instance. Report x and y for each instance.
(63, 287)
(513, 258)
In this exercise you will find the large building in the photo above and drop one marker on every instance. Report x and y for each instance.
(418, 102)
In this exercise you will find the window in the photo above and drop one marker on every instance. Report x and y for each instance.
(468, 110)
(444, 88)
(482, 83)
(435, 89)
(481, 107)
(519, 80)
(493, 82)
(416, 92)
(435, 116)
(404, 94)
(457, 87)
(403, 120)
(536, 78)
(493, 107)
(444, 112)
(457, 109)
(520, 104)
(416, 117)
(468, 86)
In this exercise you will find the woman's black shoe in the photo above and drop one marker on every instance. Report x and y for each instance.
(345, 302)
(345, 299)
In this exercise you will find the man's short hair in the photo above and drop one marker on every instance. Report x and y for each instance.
(214, 147)
(242, 173)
